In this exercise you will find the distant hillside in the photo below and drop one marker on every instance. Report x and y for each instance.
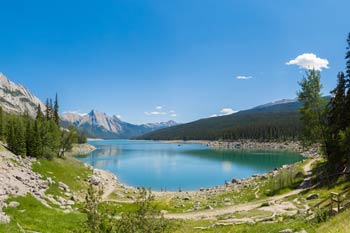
(273, 121)
(100, 125)
(15, 98)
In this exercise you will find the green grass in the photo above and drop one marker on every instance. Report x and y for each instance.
(337, 224)
(65, 170)
(32, 215)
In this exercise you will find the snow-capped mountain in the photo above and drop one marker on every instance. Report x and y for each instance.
(15, 98)
(100, 125)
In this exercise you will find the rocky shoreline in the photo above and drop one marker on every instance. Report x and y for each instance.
(311, 152)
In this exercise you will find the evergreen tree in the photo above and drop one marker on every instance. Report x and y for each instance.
(37, 142)
(347, 75)
(10, 136)
(20, 135)
(39, 113)
(336, 107)
(313, 110)
(56, 116)
(48, 109)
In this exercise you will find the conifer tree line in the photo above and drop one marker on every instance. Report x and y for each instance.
(41, 137)
(328, 123)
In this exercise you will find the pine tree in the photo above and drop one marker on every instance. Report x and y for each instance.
(11, 137)
(336, 107)
(56, 116)
(39, 113)
(347, 75)
(20, 137)
(313, 110)
(48, 109)
(37, 142)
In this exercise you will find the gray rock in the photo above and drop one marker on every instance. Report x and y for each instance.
(312, 196)
(13, 204)
(4, 219)
(95, 180)
(286, 231)
(63, 186)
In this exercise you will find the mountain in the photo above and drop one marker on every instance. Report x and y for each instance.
(276, 120)
(100, 125)
(15, 98)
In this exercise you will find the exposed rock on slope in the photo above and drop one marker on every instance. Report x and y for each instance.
(15, 98)
(17, 178)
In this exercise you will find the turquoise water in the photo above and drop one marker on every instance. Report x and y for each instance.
(187, 166)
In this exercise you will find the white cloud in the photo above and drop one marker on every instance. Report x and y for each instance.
(227, 111)
(309, 61)
(159, 107)
(78, 112)
(243, 77)
(119, 116)
(173, 115)
(224, 112)
(155, 113)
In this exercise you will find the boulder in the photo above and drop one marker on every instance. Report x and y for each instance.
(95, 180)
(13, 204)
(4, 219)
(312, 196)
(286, 231)
(63, 186)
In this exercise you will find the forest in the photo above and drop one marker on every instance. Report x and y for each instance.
(41, 137)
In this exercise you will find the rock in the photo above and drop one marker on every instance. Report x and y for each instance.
(70, 202)
(163, 212)
(63, 186)
(235, 181)
(130, 197)
(66, 211)
(208, 207)
(201, 189)
(302, 231)
(68, 194)
(286, 231)
(312, 196)
(50, 181)
(226, 199)
(4, 219)
(265, 204)
(95, 180)
(186, 198)
(13, 204)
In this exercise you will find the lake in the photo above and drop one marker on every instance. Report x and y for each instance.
(187, 166)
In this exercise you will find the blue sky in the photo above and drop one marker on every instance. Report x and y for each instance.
(158, 60)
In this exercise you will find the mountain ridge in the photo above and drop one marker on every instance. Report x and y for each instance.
(97, 124)
(16, 98)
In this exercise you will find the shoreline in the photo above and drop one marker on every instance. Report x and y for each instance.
(292, 146)
(310, 153)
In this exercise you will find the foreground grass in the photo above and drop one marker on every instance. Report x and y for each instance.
(32, 215)
(337, 224)
(67, 170)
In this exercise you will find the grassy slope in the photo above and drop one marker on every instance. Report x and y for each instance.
(32, 215)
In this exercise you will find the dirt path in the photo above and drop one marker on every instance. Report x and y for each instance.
(211, 214)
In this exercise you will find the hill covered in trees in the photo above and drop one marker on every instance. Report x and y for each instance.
(274, 121)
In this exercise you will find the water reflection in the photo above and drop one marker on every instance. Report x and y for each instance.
(190, 166)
